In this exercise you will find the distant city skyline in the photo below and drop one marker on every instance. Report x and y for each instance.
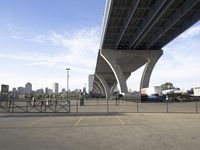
(39, 39)
(27, 88)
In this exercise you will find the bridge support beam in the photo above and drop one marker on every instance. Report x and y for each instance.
(104, 83)
(100, 88)
(113, 87)
(123, 62)
(97, 89)
(111, 58)
(151, 62)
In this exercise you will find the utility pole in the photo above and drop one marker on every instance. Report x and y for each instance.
(67, 83)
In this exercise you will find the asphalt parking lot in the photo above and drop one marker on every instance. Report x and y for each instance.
(113, 131)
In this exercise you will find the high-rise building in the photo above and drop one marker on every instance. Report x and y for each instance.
(63, 90)
(28, 88)
(20, 90)
(4, 91)
(90, 82)
(55, 88)
(50, 91)
(14, 92)
(40, 91)
(46, 90)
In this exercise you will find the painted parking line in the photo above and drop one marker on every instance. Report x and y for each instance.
(121, 122)
(5, 119)
(78, 121)
(35, 122)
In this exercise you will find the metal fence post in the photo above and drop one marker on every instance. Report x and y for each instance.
(45, 106)
(196, 105)
(26, 106)
(41, 106)
(166, 101)
(9, 105)
(69, 106)
(97, 101)
(12, 103)
(107, 105)
(55, 106)
(77, 105)
(137, 107)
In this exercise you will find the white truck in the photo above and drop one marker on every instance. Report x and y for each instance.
(152, 94)
(196, 91)
(152, 90)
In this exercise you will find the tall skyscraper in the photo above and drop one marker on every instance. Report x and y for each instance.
(63, 90)
(55, 88)
(40, 91)
(20, 90)
(46, 90)
(90, 82)
(28, 88)
(4, 91)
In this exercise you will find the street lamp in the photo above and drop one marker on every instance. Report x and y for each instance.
(67, 82)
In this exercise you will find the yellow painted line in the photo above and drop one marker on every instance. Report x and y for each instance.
(35, 122)
(78, 121)
(121, 122)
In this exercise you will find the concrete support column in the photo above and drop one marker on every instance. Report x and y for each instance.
(94, 89)
(147, 73)
(121, 63)
(111, 59)
(151, 62)
(113, 87)
(104, 83)
(97, 89)
(100, 87)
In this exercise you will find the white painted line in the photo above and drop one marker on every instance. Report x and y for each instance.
(121, 122)
(35, 122)
(78, 121)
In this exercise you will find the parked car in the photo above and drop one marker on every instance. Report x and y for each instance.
(155, 98)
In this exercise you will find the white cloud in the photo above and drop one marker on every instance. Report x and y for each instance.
(42, 63)
(79, 52)
(80, 47)
(39, 38)
(193, 31)
(16, 37)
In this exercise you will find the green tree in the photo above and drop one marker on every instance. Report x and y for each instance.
(167, 86)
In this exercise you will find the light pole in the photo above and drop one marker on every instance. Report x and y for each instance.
(67, 83)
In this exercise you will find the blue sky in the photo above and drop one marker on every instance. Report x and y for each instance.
(40, 38)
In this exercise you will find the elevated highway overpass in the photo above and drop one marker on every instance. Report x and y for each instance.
(133, 34)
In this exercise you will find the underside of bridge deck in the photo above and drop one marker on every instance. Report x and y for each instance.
(133, 34)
